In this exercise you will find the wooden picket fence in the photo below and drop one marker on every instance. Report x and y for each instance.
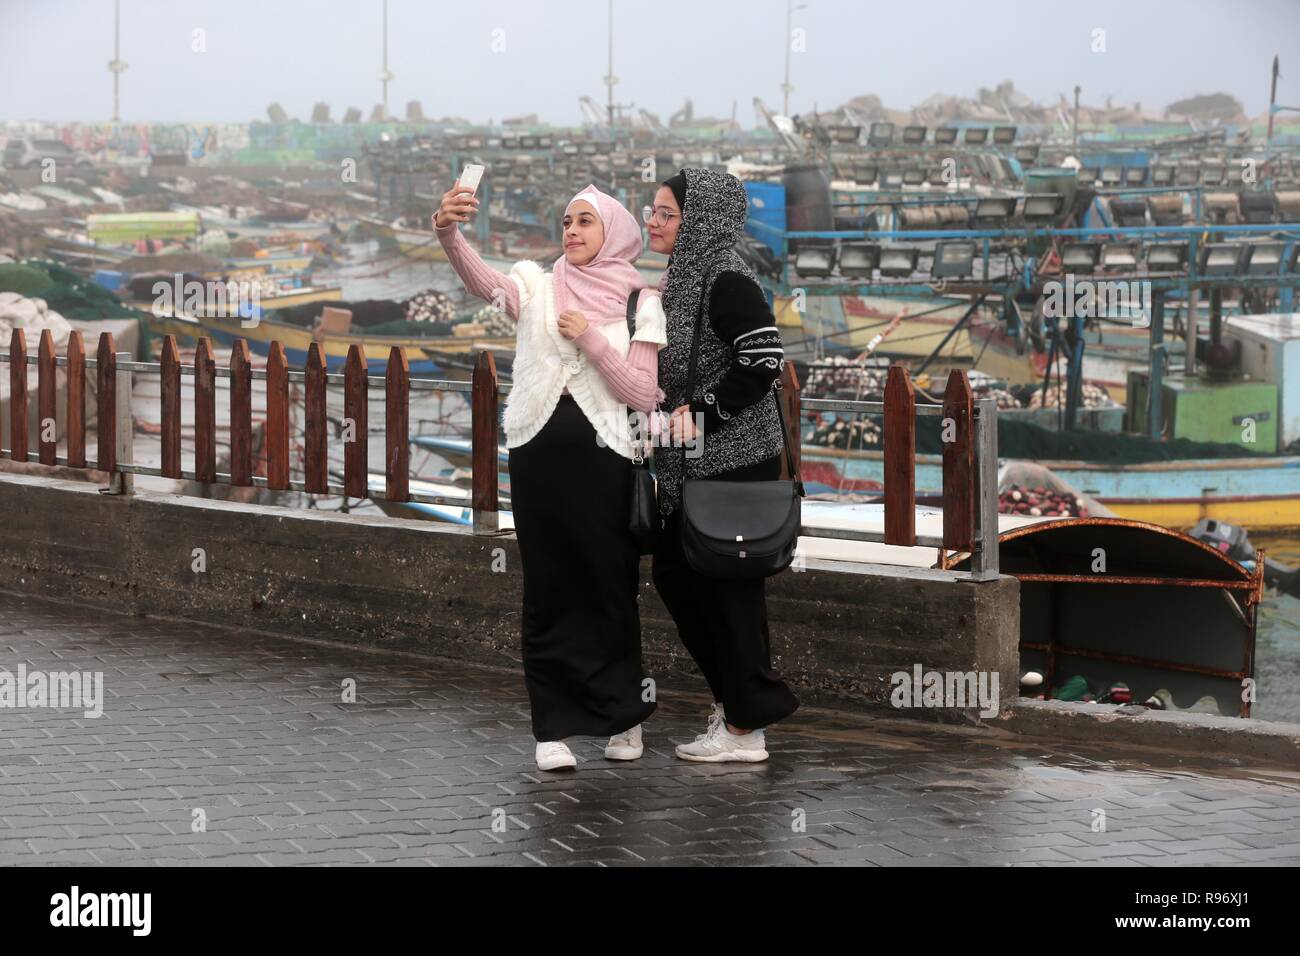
(969, 460)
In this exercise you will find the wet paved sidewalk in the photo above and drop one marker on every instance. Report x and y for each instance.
(433, 765)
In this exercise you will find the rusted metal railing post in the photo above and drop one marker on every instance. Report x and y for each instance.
(984, 557)
(47, 434)
(18, 395)
(959, 500)
(483, 407)
(277, 418)
(169, 397)
(76, 427)
(397, 427)
(241, 415)
(900, 458)
(356, 414)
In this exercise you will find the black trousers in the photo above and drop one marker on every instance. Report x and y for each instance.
(724, 624)
(580, 628)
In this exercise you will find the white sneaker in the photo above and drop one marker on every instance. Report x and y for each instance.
(625, 746)
(716, 717)
(720, 745)
(555, 755)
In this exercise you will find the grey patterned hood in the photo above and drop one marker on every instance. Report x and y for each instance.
(712, 222)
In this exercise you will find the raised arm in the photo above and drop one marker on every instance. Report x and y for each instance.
(740, 316)
(479, 278)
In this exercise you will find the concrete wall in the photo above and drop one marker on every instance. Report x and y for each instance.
(838, 630)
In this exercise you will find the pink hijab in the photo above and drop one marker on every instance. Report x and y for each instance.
(600, 288)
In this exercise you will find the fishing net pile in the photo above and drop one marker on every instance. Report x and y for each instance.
(65, 292)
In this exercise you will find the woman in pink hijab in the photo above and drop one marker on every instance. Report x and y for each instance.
(577, 373)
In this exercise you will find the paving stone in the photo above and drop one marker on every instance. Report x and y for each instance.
(251, 730)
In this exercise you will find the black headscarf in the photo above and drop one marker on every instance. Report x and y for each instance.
(678, 186)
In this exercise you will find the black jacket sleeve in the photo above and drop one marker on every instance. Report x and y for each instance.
(740, 316)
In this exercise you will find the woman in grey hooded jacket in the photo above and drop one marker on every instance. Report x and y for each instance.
(697, 218)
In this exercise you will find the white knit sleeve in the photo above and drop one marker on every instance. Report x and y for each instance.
(651, 323)
(527, 276)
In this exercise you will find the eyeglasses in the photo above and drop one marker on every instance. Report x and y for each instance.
(651, 215)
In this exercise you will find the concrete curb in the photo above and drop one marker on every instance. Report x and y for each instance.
(1132, 725)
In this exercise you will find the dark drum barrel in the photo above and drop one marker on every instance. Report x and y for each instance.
(807, 198)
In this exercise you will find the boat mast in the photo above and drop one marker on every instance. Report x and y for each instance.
(785, 87)
(1272, 103)
(610, 78)
(386, 76)
(115, 65)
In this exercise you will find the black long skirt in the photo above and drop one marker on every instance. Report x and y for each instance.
(581, 627)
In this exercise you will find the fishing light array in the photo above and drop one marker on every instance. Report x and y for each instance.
(1217, 259)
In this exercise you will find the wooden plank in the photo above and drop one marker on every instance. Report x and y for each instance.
(397, 427)
(18, 395)
(789, 393)
(277, 418)
(106, 404)
(483, 426)
(900, 458)
(47, 406)
(957, 430)
(205, 412)
(315, 440)
(170, 392)
(356, 423)
(241, 414)
(76, 400)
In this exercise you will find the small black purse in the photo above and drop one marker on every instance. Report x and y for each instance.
(739, 529)
(645, 522)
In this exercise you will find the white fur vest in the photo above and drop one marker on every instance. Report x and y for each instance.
(546, 363)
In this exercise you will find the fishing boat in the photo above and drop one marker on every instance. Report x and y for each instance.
(1173, 625)
(422, 352)
(1259, 492)
(451, 514)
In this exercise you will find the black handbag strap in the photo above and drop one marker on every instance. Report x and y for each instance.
(690, 392)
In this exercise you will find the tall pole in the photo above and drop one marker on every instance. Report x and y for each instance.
(116, 66)
(785, 87)
(1272, 102)
(610, 78)
(1076, 119)
(386, 76)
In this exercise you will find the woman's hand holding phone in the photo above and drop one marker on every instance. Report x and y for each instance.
(458, 204)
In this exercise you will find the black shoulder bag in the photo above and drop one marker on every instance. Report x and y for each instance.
(644, 522)
(739, 529)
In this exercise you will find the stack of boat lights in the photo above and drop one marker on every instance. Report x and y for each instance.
(1166, 257)
(1119, 256)
(953, 260)
(1224, 258)
(898, 262)
(814, 258)
(1271, 258)
(1079, 257)
(858, 260)
(1042, 207)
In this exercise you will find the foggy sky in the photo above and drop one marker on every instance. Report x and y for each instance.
(54, 56)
